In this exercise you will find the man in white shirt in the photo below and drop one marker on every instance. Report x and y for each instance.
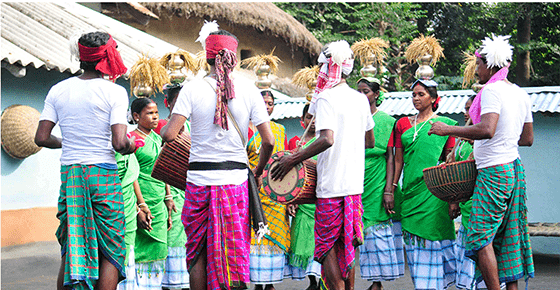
(91, 112)
(498, 237)
(216, 210)
(345, 126)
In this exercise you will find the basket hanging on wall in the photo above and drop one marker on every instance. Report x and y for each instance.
(19, 125)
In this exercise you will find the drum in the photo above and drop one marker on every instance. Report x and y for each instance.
(297, 187)
(173, 162)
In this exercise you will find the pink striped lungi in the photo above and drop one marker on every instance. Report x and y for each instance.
(217, 218)
(338, 225)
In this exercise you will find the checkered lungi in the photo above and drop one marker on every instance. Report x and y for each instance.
(268, 265)
(150, 274)
(464, 278)
(91, 214)
(431, 263)
(176, 273)
(499, 216)
(216, 218)
(130, 283)
(339, 226)
(378, 257)
(313, 269)
(399, 246)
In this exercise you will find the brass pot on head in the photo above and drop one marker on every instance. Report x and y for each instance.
(369, 70)
(143, 91)
(263, 82)
(424, 70)
(176, 76)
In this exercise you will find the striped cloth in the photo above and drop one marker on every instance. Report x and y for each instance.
(91, 214)
(150, 274)
(499, 215)
(176, 274)
(313, 269)
(338, 225)
(431, 263)
(268, 266)
(399, 245)
(378, 257)
(131, 282)
(216, 218)
(464, 278)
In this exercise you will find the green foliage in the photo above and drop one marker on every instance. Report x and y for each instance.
(459, 27)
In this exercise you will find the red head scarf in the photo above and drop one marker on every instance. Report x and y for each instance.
(110, 61)
(222, 48)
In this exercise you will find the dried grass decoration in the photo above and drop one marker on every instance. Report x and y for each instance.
(423, 45)
(263, 64)
(147, 76)
(19, 124)
(200, 62)
(307, 77)
(174, 62)
(370, 50)
(469, 60)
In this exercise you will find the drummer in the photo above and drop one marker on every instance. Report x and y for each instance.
(269, 258)
(345, 127)
(220, 181)
(303, 237)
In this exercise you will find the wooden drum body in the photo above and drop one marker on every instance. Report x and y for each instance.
(297, 187)
(173, 162)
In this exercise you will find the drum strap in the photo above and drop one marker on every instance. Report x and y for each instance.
(226, 165)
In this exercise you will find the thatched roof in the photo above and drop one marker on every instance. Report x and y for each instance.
(262, 16)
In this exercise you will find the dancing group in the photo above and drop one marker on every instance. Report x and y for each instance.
(117, 221)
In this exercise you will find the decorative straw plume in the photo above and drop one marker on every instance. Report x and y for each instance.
(307, 77)
(370, 50)
(421, 46)
(205, 31)
(200, 61)
(258, 61)
(497, 50)
(469, 60)
(147, 75)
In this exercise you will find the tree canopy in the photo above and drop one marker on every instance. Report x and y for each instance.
(458, 26)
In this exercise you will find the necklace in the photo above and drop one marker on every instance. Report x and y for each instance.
(140, 131)
(418, 130)
(375, 112)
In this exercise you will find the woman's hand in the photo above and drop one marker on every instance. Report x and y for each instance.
(389, 203)
(170, 204)
(145, 217)
(292, 209)
(454, 210)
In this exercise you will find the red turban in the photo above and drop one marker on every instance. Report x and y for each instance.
(110, 61)
(215, 43)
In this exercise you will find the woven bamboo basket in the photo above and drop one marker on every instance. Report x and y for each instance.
(452, 182)
(19, 125)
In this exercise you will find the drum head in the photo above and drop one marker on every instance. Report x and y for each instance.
(287, 189)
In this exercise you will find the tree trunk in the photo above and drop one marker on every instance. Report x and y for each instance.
(523, 68)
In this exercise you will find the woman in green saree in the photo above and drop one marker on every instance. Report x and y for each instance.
(378, 255)
(427, 222)
(303, 224)
(151, 241)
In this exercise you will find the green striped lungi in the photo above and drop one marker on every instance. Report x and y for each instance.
(91, 214)
(499, 215)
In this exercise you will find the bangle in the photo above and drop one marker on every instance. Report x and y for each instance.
(169, 197)
(141, 204)
(388, 193)
(137, 210)
(394, 184)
